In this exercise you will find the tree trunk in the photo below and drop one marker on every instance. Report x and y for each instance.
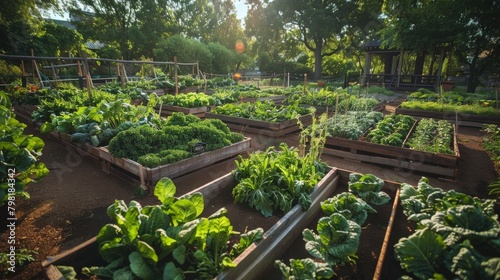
(472, 80)
(318, 59)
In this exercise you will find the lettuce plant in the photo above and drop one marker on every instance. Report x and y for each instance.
(167, 241)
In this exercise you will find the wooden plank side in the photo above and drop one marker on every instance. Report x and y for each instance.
(391, 151)
(398, 163)
(196, 162)
(463, 118)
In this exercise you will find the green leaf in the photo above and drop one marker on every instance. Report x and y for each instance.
(421, 253)
(139, 267)
(108, 232)
(132, 223)
(179, 254)
(123, 273)
(171, 272)
(164, 190)
(182, 211)
(147, 251)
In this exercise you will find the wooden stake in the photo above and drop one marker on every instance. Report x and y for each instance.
(36, 68)
(175, 76)
(23, 79)
(87, 74)
(54, 74)
(305, 83)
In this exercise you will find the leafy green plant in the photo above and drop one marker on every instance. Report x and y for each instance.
(274, 179)
(391, 130)
(178, 132)
(337, 240)
(474, 109)
(189, 100)
(433, 136)
(353, 124)
(368, 187)
(20, 155)
(166, 241)
(305, 269)
(349, 206)
(457, 235)
(262, 110)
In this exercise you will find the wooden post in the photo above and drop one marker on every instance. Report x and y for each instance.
(305, 83)
(87, 74)
(175, 76)
(124, 73)
(54, 74)
(24, 78)
(80, 74)
(35, 67)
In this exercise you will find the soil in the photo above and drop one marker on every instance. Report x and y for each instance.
(69, 205)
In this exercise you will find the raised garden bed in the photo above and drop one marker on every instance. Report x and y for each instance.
(25, 111)
(149, 176)
(441, 165)
(461, 119)
(374, 238)
(277, 235)
(272, 129)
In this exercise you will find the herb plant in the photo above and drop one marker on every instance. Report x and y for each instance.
(166, 241)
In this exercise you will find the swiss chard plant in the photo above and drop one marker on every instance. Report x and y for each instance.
(457, 235)
(167, 241)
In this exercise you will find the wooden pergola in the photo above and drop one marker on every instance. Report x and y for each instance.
(392, 76)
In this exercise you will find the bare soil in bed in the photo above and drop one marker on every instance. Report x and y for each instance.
(69, 205)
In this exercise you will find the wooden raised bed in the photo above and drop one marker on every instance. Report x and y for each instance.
(461, 119)
(272, 129)
(399, 157)
(150, 176)
(249, 263)
(25, 111)
(374, 239)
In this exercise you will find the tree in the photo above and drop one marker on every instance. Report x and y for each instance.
(135, 25)
(20, 22)
(323, 27)
(468, 29)
(186, 51)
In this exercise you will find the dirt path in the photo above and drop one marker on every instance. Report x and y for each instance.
(69, 205)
